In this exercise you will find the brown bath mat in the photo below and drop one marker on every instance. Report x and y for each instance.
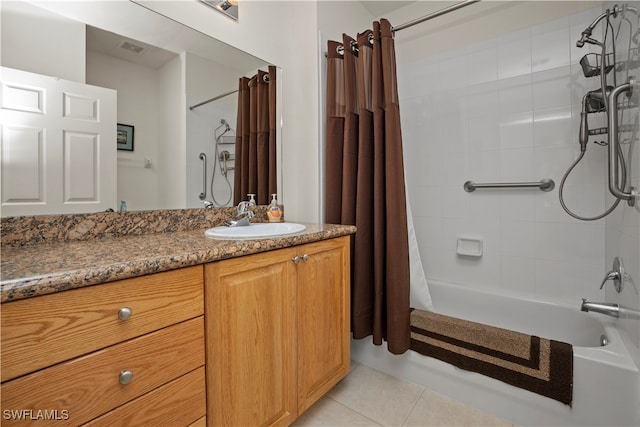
(536, 364)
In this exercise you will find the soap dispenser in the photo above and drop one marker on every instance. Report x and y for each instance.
(274, 213)
(252, 200)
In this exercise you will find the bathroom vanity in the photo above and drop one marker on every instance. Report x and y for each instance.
(238, 332)
(279, 324)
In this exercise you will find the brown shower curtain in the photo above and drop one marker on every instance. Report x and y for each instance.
(365, 181)
(255, 166)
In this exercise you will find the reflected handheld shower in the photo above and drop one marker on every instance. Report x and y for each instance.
(222, 158)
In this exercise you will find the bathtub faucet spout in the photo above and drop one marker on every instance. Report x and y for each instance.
(601, 307)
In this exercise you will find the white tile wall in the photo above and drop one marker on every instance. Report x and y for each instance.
(506, 109)
(623, 226)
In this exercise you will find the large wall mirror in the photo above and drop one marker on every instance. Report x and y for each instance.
(158, 68)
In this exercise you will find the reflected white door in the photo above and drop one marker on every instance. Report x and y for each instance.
(58, 148)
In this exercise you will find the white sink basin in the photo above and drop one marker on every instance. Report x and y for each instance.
(255, 231)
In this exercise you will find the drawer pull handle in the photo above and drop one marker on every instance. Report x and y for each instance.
(125, 377)
(295, 259)
(305, 257)
(124, 313)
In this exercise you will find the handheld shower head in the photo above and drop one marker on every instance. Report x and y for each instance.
(592, 102)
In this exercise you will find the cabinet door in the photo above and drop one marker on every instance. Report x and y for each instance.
(250, 347)
(323, 318)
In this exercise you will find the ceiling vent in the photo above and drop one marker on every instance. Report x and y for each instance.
(131, 47)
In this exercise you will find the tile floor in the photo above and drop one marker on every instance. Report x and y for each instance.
(367, 397)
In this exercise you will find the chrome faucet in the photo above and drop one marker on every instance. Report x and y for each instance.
(601, 307)
(243, 217)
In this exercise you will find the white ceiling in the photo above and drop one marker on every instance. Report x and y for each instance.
(111, 44)
(138, 25)
(379, 8)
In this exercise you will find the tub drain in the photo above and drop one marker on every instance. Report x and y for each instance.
(603, 340)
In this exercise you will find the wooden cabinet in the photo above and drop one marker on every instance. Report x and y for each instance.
(263, 340)
(277, 330)
(322, 318)
(128, 352)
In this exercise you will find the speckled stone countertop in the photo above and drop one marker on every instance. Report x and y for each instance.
(44, 268)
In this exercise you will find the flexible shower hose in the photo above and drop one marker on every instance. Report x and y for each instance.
(564, 178)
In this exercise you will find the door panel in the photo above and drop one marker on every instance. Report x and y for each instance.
(250, 312)
(323, 319)
(58, 145)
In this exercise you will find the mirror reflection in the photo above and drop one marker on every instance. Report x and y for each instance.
(158, 68)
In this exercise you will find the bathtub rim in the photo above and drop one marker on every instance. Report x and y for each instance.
(615, 353)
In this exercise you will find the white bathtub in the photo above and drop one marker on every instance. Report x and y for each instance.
(606, 387)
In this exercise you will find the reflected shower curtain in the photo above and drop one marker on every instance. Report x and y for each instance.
(255, 166)
(365, 181)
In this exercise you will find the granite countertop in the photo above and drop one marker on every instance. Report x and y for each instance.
(40, 269)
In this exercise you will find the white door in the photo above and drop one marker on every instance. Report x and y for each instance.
(58, 148)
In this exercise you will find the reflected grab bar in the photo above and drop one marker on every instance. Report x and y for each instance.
(203, 195)
(544, 185)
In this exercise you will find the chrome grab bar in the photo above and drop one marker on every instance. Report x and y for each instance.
(203, 195)
(544, 185)
(612, 118)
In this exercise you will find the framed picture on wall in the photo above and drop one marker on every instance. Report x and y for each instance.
(124, 137)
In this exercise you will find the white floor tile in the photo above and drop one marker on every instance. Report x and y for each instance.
(435, 410)
(367, 397)
(381, 397)
(328, 412)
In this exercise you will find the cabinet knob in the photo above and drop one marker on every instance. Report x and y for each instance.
(305, 257)
(124, 313)
(125, 377)
(295, 259)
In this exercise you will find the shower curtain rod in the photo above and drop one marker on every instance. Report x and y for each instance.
(435, 14)
(215, 98)
(265, 78)
(422, 19)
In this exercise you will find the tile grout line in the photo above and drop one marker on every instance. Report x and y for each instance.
(413, 407)
(353, 410)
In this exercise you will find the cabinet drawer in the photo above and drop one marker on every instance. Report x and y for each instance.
(41, 331)
(90, 385)
(179, 403)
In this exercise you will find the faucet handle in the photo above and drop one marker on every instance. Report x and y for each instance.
(617, 275)
(612, 275)
(242, 207)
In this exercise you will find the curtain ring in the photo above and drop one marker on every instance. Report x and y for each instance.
(370, 38)
(265, 78)
(340, 50)
(354, 46)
